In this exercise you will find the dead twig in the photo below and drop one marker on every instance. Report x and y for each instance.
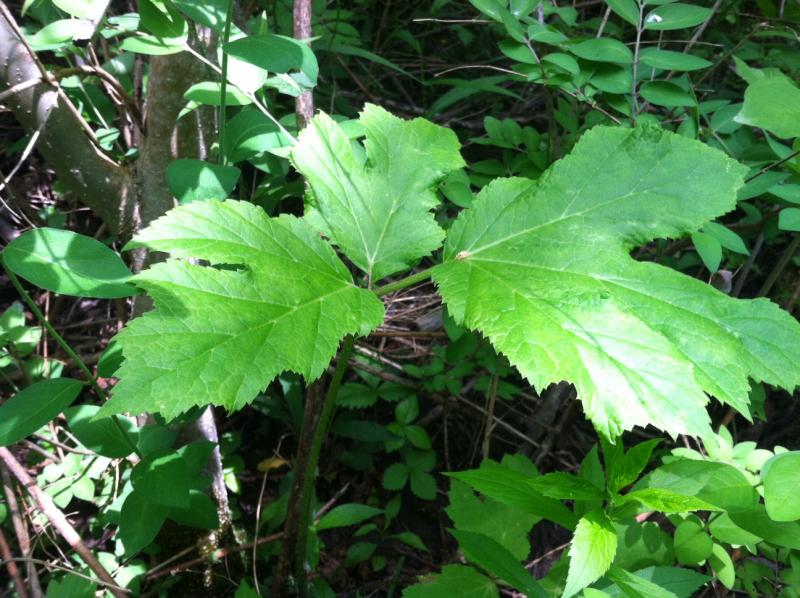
(21, 531)
(11, 565)
(60, 522)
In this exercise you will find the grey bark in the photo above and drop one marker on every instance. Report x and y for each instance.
(65, 142)
(166, 137)
(125, 200)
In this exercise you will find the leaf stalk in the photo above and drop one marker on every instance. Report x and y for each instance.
(403, 283)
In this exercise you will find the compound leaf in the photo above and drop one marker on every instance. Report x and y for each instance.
(543, 270)
(378, 212)
(275, 298)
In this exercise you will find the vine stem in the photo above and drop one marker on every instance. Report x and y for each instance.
(90, 378)
(223, 84)
(403, 283)
(320, 432)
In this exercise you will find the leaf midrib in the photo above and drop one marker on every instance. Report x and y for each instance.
(563, 217)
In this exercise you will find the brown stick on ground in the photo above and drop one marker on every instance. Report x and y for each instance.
(60, 522)
(21, 531)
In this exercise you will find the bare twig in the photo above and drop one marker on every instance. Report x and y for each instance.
(11, 566)
(491, 399)
(603, 23)
(60, 522)
(480, 66)
(635, 65)
(21, 531)
(783, 261)
(304, 103)
(215, 555)
(772, 165)
(459, 21)
(748, 266)
(112, 587)
(701, 29)
(22, 159)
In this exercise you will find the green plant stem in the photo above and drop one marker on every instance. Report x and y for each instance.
(223, 84)
(90, 378)
(320, 432)
(403, 283)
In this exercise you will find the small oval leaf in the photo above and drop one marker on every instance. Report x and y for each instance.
(33, 407)
(68, 263)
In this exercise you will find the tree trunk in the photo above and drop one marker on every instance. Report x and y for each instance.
(124, 200)
(65, 140)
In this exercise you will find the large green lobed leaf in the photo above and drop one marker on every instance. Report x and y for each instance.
(378, 212)
(275, 298)
(543, 270)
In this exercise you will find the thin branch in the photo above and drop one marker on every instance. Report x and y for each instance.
(635, 65)
(480, 66)
(769, 167)
(780, 266)
(11, 566)
(22, 159)
(21, 531)
(701, 29)
(460, 21)
(19, 88)
(214, 556)
(491, 399)
(60, 522)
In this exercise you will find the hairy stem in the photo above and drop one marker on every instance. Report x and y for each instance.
(320, 433)
(90, 378)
